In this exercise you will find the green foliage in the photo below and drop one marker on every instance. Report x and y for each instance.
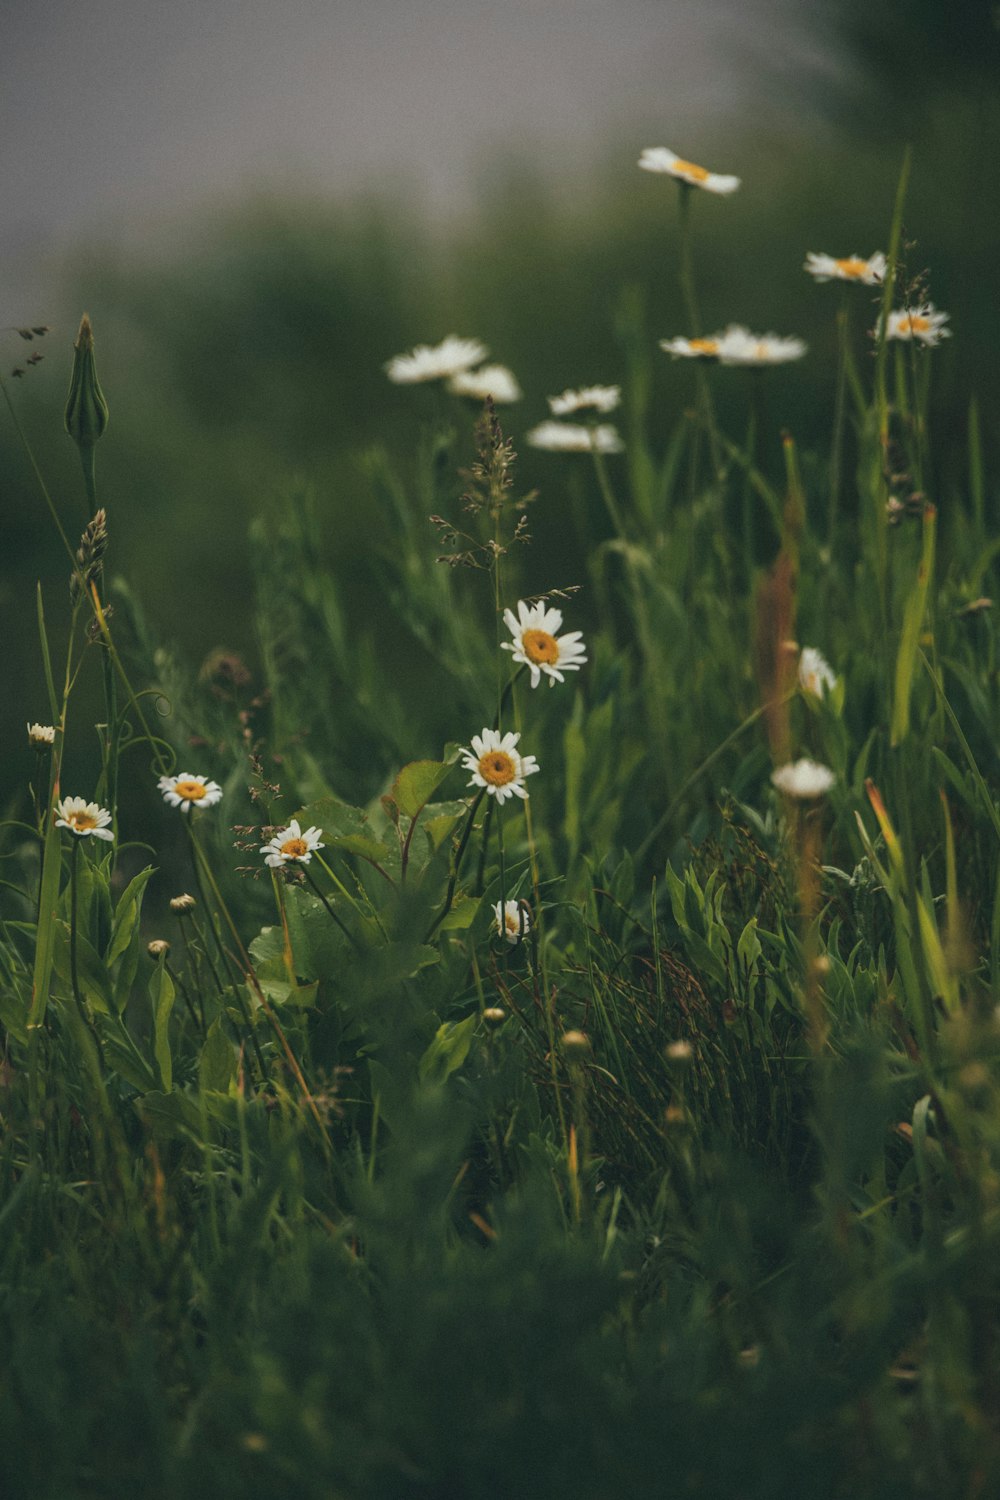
(639, 1136)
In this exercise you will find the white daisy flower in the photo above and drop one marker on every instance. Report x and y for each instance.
(662, 159)
(513, 919)
(738, 346)
(439, 362)
(803, 780)
(848, 268)
(495, 381)
(186, 791)
(924, 323)
(816, 676)
(83, 818)
(292, 844)
(693, 348)
(40, 735)
(571, 437)
(536, 646)
(496, 765)
(602, 398)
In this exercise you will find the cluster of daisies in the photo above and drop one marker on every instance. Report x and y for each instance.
(498, 767)
(736, 345)
(454, 359)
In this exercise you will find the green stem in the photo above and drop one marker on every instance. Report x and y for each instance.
(839, 403)
(73, 971)
(456, 867)
(349, 935)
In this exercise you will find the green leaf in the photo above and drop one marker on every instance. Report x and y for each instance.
(127, 914)
(416, 784)
(162, 996)
(909, 640)
(448, 1051)
(92, 976)
(217, 1063)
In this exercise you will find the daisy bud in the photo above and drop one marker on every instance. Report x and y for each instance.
(158, 948)
(86, 409)
(180, 905)
(680, 1051)
(575, 1044)
(41, 736)
(494, 1015)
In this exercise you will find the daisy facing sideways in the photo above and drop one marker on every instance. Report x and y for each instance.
(291, 845)
(186, 791)
(803, 780)
(924, 323)
(537, 646)
(816, 676)
(662, 159)
(513, 919)
(495, 381)
(436, 362)
(738, 346)
(602, 398)
(496, 765)
(572, 437)
(693, 348)
(83, 818)
(849, 268)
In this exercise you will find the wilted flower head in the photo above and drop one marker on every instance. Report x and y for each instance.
(570, 437)
(437, 362)
(186, 791)
(83, 818)
(181, 905)
(816, 676)
(41, 735)
(803, 780)
(495, 381)
(693, 348)
(292, 844)
(602, 398)
(662, 159)
(513, 919)
(536, 645)
(496, 765)
(848, 268)
(923, 323)
(738, 346)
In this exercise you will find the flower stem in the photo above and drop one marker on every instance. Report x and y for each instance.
(85, 1015)
(837, 443)
(456, 867)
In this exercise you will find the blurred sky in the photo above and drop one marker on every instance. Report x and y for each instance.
(117, 114)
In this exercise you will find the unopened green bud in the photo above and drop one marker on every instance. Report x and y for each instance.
(86, 408)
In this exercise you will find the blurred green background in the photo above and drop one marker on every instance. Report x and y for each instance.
(242, 356)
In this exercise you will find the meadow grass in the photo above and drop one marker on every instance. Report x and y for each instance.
(636, 1135)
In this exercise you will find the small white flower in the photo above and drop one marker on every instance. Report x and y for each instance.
(662, 159)
(41, 734)
(292, 844)
(570, 437)
(513, 919)
(924, 323)
(83, 818)
(803, 780)
(602, 398)
(536, 645)
(849, 268)
(437, 362)
(186, 791)
(693, 348)
(738, 346)
(496, 765)
(492, 380)
(816, 676)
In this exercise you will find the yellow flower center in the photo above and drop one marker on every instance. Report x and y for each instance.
(704, 346)
(914, 323)
(191, 791)
(689, 169)
(497, 768)
(294, 848)
(540, 646)
(851, 266)
(82, 821)
(513, 924)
